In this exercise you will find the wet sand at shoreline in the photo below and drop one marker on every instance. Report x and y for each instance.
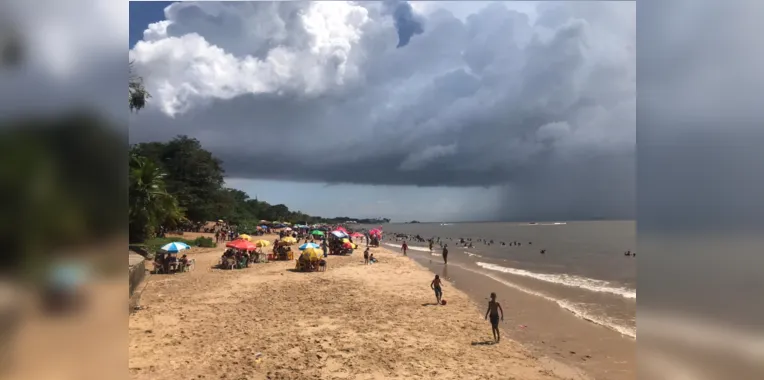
(541, 325)
(350, 322)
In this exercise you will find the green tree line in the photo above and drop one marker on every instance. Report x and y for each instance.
(180, 183)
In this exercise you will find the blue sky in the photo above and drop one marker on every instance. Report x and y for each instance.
(143, 13)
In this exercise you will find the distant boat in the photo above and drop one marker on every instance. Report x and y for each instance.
(532, 223)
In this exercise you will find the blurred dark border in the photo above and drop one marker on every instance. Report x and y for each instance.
(700, 186)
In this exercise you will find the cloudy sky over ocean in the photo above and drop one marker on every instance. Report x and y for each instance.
(435, 111)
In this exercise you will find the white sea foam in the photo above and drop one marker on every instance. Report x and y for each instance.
(579, 310)
(470, 254)
(411, 247)
(566, 280)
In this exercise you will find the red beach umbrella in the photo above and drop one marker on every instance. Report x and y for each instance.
(241, 244)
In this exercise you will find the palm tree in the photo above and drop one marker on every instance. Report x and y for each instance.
(136, 93)
(150, 205)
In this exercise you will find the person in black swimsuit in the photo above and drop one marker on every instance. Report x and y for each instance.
(494, 308)
(445, 253)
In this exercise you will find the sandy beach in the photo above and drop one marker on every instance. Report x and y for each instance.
(351, 322)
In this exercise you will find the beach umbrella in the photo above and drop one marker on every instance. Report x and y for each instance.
(312, 254)
(309, 245)
(262, 243)
(175, 247)
(245, 237)
(346, 240)
(289, 240)
(341, 229)
(287, 229)
(339, 234)
(241, 244)
(317, 233)
(347, 245)
(356, 234)
(220, 220)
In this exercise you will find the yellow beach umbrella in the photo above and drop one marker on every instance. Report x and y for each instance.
(262, 243)
(245, 237)
(346, 240)
(312, 253)
(289, 240)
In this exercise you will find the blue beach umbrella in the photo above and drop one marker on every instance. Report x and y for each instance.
(175, 247)
(309, 245)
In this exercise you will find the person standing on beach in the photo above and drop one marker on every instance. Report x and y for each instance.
(435, 285)
(445, 254)
(405, 248)
(493, 309)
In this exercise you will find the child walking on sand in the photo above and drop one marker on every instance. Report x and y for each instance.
(366, 256)
(494, 308)
(435, 285)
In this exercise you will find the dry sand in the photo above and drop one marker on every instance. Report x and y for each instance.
(351, 322)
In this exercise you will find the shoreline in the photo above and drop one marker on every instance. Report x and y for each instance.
(350, 322)
(540, 323)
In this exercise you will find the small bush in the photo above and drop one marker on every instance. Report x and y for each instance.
(153, 245)
(204, 242)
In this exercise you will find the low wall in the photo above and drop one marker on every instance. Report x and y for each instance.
(136, 271)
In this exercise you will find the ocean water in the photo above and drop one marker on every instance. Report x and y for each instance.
(583, 270)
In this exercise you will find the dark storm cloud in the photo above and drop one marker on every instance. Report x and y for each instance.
(479, 102)
(407, 23)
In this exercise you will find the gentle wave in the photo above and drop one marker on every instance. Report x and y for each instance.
(411, 247)
(577, 309)
(566, 279)
(470, 254)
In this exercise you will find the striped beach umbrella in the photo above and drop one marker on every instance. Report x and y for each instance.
(175, 247)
